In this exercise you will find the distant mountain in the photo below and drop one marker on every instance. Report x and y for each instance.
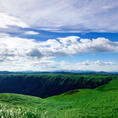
(5, 72)
(58, 71)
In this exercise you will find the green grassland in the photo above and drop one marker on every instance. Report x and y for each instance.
(46, 85)
(100, 102)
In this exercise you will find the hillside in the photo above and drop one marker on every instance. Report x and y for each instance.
(45, 85)
(101, 102)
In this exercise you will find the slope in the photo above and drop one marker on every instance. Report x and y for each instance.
(101, 102)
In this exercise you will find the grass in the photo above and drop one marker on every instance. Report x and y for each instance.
(101, 102)
(46, 85)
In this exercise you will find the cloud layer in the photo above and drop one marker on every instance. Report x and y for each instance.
(64, 16)
(22, 20)
(14, 46)
(6, 21)
(25, 54)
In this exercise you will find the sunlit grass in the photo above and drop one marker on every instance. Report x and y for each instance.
(101, 102)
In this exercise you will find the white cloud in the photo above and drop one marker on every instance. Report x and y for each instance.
(54, 47)
(32, 33)
(66, 15)
(29, 54)
(7, 20)
(72, 45)
(98, 45)
(68, 40)
(97, 65)
(100, 63)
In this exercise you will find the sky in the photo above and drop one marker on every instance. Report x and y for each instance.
(59, 35)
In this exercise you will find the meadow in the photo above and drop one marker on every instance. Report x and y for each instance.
(96, 102)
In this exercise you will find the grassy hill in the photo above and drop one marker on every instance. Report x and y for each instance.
(45, 85)
(101, 102)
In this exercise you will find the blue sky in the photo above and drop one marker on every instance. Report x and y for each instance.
(58, 35)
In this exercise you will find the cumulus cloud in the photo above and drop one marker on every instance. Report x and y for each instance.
(54, 47)
(98, 45)
(72, 45)
(65, 16)
(33, 54)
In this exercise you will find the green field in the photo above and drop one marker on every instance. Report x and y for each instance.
(100, 102)
(46, 85)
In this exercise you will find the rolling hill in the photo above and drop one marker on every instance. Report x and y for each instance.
(46, 85)
(100, 102)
